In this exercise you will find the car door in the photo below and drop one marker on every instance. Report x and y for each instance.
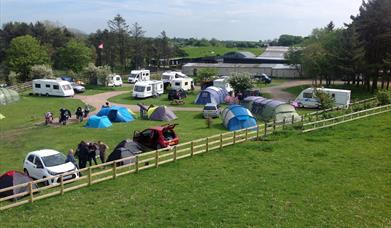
(29, 165)
(39, 168)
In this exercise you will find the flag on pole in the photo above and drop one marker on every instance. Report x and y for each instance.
(100, 46)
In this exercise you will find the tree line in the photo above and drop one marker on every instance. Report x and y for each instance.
(359, 53)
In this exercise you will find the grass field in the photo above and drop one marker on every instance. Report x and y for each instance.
(94, 89)
(196, 52)
(334, 177)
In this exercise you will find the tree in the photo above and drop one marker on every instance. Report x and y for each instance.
(41, 71)
(120, 29)
(289, 40)
(24, 52)
(325, 100)
(96, 75)
(137, 36)
(206, 74)
(294, 58)
(241, 82)
(75, 56)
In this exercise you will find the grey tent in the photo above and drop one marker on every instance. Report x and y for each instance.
(12, 178)
(268, 109)
(126, 148)
(8, 96)
(163, 113)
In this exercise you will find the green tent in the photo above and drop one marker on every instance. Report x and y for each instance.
(8, 96)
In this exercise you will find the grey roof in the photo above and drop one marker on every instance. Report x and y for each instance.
(240, 65)
(239, 54)
(274, 53)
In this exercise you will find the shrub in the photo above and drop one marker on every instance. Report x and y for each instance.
(383, 97)
(12, 78)
(325, 100)
(206, 74)
(94, 74)
(41, 71)
(241, 82)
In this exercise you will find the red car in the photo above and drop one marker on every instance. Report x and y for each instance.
(157, 137)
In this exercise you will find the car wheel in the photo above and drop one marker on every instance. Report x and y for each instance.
(46, 183)
(26, 172)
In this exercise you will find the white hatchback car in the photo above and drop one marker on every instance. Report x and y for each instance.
(211, 110)
(46, 163)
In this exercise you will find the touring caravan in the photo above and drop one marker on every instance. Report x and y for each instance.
(168, 76)
(51, 87)
(307, 97)
(144, 89)
(222, 83)
(185, 84)
(139, 75)
(114, 80)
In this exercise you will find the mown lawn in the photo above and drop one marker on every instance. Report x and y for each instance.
(94, 89)
(196, 52)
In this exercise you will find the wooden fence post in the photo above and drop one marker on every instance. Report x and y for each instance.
(62, 184)
(191, 148)
(89, 176)
(302, 122)
(157, 158)
(246, 135)
(265, 129)
(257, 132)
(136, 164)
(207, 144)
(175, 153)
(114, 170)
(31, 192)
(293, 119)
(221, 141)
(283, 123)
(274, 125)
(234, 137)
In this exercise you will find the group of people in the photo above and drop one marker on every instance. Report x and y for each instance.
(87, 152)
(65, 115)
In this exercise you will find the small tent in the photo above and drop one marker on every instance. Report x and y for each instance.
(268, 109)
(162, 113)
(116, 114)
(211, 94)
(13, 178)
(236, 117)
(98, 122)
(126, 148)
(8, 96)
(2, 116)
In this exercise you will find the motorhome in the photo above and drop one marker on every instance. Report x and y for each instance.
(144, 89)
(114, 80)
(223, 83)
(139, 75)
(169, 76)
(308, 99)
(185, 84)
(51, 87)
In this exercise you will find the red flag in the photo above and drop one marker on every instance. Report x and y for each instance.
(100, 46)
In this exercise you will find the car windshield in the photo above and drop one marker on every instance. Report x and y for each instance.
(139, 88)
(53, 160)
(133, 75)
(166, 77)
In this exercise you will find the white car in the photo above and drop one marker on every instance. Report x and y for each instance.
(46, 163)
(211, 110)
(308, 103)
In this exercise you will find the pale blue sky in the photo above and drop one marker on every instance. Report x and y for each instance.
(221, 19)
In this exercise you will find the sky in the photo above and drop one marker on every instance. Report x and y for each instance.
(221, 19)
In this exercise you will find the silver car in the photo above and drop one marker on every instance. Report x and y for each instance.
(211, 110)
(78, 88)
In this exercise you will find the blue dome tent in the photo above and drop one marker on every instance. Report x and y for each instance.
(98, 122)
(236, 117)
(116, 114)
(211, 94)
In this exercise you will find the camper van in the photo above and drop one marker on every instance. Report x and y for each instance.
(169, 76)
(185, 84)
(114, 80)
(307, 98)
(51, 87)
(223, 83)
(144, 89)
(139, 75)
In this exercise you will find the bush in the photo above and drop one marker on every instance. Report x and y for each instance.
(383, 97)
(41, 71)
(325, 100)
(206, 74)
(12, 78)
(241, 82)
(94, 74)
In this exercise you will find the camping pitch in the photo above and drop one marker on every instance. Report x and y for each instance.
(236, 117)
(161, 113)
(13, 178)
(116, 114)
(211, 94)
(98, 122)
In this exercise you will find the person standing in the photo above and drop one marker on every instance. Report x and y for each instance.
(102, 151)
(92, 148)
(71, 158)
(82, 154)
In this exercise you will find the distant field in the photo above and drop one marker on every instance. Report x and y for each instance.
(195, 52)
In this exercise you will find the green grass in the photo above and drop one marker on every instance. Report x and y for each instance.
(196, 52)
(94, 89)
(336, 177)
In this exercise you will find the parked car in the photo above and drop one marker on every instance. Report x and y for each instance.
(250, 92)
(211, 110)
(306, 103)
(176, 94)
(263, 78)
(78, 88)
(47, 163)
(157, 137)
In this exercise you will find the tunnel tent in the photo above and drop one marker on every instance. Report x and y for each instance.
(268, 109)
(116, 114)
(98, 122)
(8, 96)
(126, 148)
(248, 101)
(211, 94)
(162, 113)
(236, 117)
(12, 178)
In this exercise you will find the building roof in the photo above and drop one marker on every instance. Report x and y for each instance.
(274, 52)
(239, 54)
(240, 65)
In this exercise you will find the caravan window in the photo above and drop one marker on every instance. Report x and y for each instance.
(177, 84)
(56, 87)
(118, 78)
(186, 83)
(37, 85)
(139, 89)
(149, 88)
(66, 87)
(161, 86)
(47, 86)
(307, 95)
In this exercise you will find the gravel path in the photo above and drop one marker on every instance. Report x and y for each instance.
(277, 92)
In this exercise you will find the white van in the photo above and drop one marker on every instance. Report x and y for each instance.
(139, 75)
(223, 83)
(307, 98)
(169, 76)
(114, 80)
(182, 83)
(51, 87)
(144, 89)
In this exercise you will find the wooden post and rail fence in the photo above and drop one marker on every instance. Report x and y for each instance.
(29, 193)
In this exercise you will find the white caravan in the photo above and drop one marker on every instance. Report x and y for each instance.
(144, 89)
(139, 75)
(51, 87)
(307, 97)
(223, 83)
(114, 80)
(185, 84)
(169, 76)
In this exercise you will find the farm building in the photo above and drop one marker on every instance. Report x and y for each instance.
(276, 53)
(268, 109)
(273, 70)
(239, 55)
